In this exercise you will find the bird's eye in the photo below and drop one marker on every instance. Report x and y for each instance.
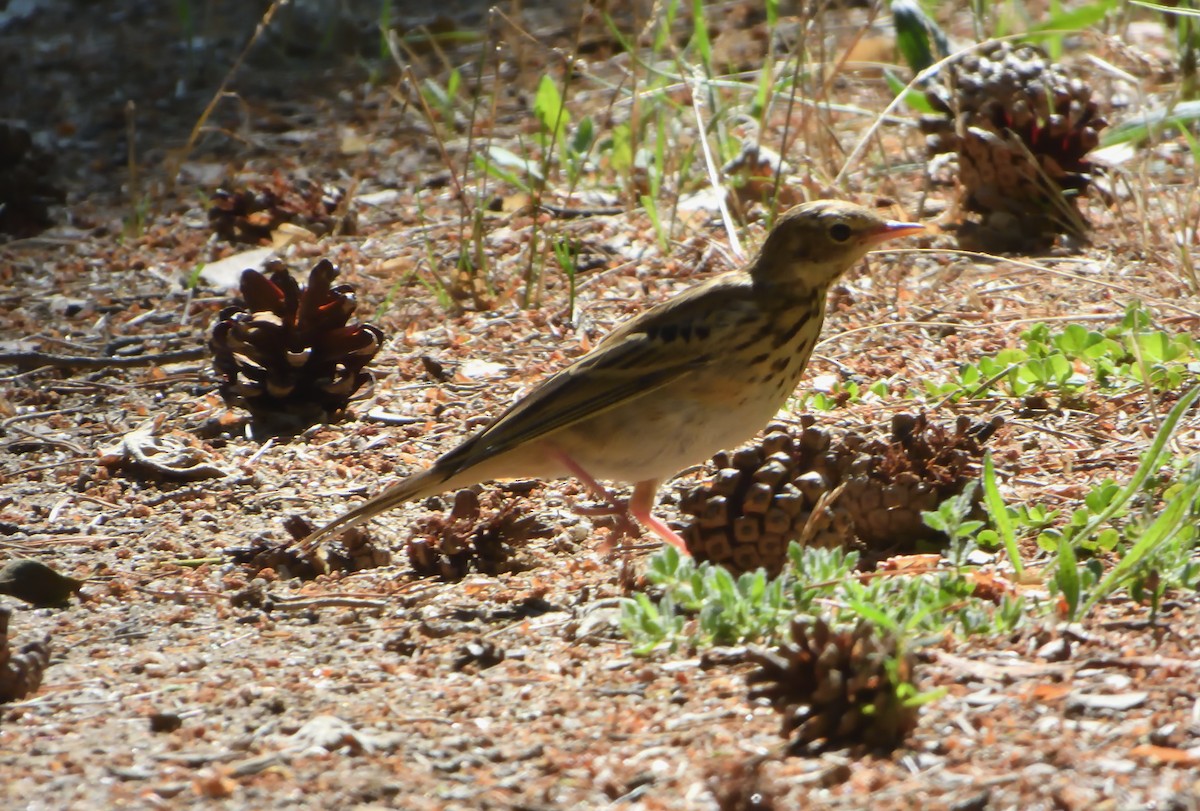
(840, 232)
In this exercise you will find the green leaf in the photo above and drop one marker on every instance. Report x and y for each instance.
(1183, 12)
(1154, 123)
(581, 142)
(1102, 495)
(1066, 575)
(1048, 540)
(1157, 347)
(1074, 340)
(1010, 357)
(1107, 539)
(1076, 19)
(915, 99)
(548, 107)
(622, 148)
(1170, 521)
(1060, 369)
(873, 614)
(936, 521)
(700, 40)
(917, 36)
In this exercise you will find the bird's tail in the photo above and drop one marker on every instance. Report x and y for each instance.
(419, 485)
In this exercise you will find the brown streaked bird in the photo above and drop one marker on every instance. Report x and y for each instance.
(697, 373)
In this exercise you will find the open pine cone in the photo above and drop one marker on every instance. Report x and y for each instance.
(471, 537)
(252, 214)
(836, 688)
(1021, 127)
(290, 356)
(20, 671)
(805, 487)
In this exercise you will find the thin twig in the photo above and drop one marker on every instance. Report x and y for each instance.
(176, 160)
(84, 362)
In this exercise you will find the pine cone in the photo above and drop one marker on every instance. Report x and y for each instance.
(252, 214)
(290, 355)
(890, 484)
(470, 537)
(354, 550)
(836, 688)
(810, 489)
(21, 672)
(1021, 127)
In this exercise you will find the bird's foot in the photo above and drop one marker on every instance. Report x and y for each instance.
(618, 510)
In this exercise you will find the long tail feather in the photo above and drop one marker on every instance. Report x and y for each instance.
(426, 483)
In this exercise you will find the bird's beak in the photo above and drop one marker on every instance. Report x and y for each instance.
(894, 230)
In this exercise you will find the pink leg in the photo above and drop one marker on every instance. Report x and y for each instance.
(640, 506)
(624, 526)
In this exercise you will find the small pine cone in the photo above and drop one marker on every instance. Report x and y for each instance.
(750, 510)
(836, 688)
(470, 537)
(21, 672)
(1021, 127)
(252, 214)
(290, 356)
(356, 550)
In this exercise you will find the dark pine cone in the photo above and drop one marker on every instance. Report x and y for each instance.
(836, 689)
(807, 488)
(471, 537)
(290, 355)
(1021, 127)
(20, 672)
(252, 214)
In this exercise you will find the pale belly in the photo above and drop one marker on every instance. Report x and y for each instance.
(665, 437)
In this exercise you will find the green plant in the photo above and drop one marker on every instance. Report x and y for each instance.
(566, 251)
(840, 394)
(1076, 360)
(193, 278)
(443, 99)
(919, 39)
(1149, 542)
(134, 225)
(1005, 520)
(703, 605)
(952, 518)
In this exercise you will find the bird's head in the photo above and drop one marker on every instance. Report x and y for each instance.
(814, 243)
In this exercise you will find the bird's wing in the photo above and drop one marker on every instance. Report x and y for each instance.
(641, 357)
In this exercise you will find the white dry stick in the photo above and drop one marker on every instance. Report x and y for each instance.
(713, 177)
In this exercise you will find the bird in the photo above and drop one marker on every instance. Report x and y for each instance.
(698, 373)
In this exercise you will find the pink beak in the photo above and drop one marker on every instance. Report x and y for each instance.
(894, 230)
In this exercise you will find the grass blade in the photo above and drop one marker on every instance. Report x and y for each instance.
(999, 515)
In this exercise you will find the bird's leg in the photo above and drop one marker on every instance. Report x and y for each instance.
(614, 505)
(641, 506)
